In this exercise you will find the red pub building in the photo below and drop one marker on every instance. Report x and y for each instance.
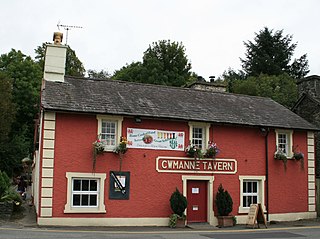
(77, 187)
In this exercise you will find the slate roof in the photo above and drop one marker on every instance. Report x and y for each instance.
(135, 99)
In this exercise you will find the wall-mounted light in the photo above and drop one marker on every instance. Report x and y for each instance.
(137, 119)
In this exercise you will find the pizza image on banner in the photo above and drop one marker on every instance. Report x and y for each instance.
(155, 139)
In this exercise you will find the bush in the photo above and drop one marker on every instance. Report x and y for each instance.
(178, 203)
(7, 191)
(223, 201)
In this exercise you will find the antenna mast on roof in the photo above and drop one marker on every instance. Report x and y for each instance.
(67, 28)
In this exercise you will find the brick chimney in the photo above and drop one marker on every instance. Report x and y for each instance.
(55, 59)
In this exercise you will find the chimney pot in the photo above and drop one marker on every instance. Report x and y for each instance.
(212, 78)
(57, 38)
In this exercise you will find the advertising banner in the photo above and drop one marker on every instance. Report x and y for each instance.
(155, 139)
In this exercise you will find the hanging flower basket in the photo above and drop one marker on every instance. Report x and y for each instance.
(121, 149)
(194, 152)
(212, 150)
(98, 148)
(300, 157)
(280, 155)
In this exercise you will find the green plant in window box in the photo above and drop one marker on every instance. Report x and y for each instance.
(194, 152)
(98, 148)
(121, 149)
(280, 155)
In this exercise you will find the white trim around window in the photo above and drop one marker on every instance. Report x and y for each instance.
(116, 123)
(99, 192)
(284, 140)
(260, 181)
(205, 137)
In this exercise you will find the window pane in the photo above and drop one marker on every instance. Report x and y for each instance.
(255, 187)
(84, 200)
(93, 185)
(249, 187)
(76, 185)
(254, 199)
(76, 200)
(85, 185)
(93, 200)
(244, 187)
(244, 198)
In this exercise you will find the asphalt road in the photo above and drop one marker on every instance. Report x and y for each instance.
(45, 233)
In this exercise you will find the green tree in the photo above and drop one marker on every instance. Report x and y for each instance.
(7, 117)
(133, 72)
(270, 53)
(167, 63)
(229, 76)
(282, 88)
(26, 78)
(74, 66)
(164, 63)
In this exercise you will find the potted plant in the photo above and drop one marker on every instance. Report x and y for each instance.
(194, 152)
(178, 204)
(212, 150)
(224, 205)
(9, 197)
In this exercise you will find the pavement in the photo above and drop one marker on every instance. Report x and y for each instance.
(25, 217)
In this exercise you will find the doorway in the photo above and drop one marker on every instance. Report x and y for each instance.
(197, 196)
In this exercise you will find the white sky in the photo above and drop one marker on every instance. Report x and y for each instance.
(118, 32)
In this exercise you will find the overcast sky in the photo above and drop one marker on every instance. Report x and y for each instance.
(118, 32)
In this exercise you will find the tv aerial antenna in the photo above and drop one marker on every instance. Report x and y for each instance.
(67, 28)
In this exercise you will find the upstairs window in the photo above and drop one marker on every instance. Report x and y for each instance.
(284, 141)
(198, 137)
(109, 130)
(199, 134)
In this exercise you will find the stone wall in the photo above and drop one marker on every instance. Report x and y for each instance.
(310, 85)
(309, 108)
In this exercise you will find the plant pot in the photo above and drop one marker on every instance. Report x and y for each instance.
(6, 209)
(225, 221)
(181, 222)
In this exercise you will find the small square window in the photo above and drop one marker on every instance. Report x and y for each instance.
(85, 192)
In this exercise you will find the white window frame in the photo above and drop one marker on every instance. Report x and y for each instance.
(82, 192)
(260, 183)
(205, 126)
(110, 118)
(100, 208)
(289, 142)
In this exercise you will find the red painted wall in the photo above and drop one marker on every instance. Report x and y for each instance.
(149, 190)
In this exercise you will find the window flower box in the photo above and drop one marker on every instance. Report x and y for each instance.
(193, 151)
(212, 150)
